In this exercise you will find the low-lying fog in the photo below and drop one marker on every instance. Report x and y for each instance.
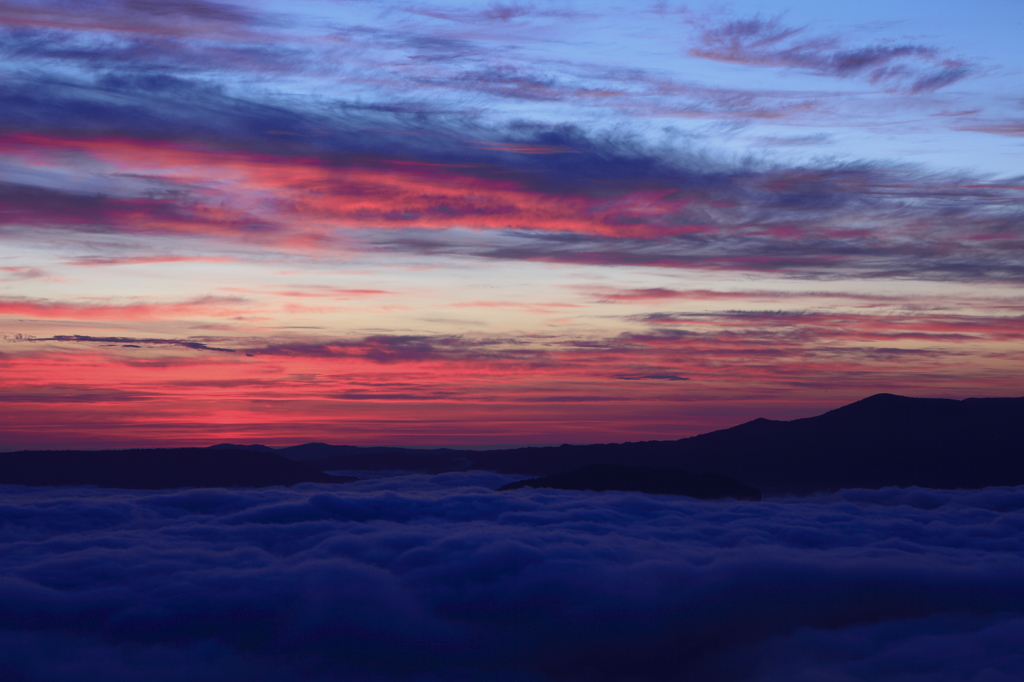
(415, 577)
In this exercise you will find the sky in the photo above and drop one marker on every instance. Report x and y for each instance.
(430, 579)
(489, 224)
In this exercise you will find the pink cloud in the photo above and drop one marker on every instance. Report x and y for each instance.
(207, 306)
(23, 272)
(1009, 128)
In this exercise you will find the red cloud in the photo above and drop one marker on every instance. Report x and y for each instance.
(299, 199)
(738, 364)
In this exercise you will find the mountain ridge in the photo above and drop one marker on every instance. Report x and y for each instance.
(882, 440)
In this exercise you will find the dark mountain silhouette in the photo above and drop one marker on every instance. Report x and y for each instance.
(255, 446)
(601, 477)
(435, 460)
(158, 468)
(879, 441)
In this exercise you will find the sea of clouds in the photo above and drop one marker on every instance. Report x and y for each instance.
(439, 578)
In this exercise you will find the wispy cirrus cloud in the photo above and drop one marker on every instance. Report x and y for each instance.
(796, 140)
(496, 13)
(396, 348)
(930, 304)
(198, 18)
(177, 53)
(1008, 127)
(770, 43)
(317, 291)
(662, 293)
(826, 328)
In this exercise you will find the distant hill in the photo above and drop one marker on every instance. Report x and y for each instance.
(879, 441)
(882, 440)
(157, 468)
(602, 477)
(442, 459)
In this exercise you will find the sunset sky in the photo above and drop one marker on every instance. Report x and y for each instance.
(488, 224)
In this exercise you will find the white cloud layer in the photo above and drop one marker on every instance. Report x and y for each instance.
(440, 578)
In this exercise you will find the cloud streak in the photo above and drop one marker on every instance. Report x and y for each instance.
(178, 17)
(770, 43)
(209, 306)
